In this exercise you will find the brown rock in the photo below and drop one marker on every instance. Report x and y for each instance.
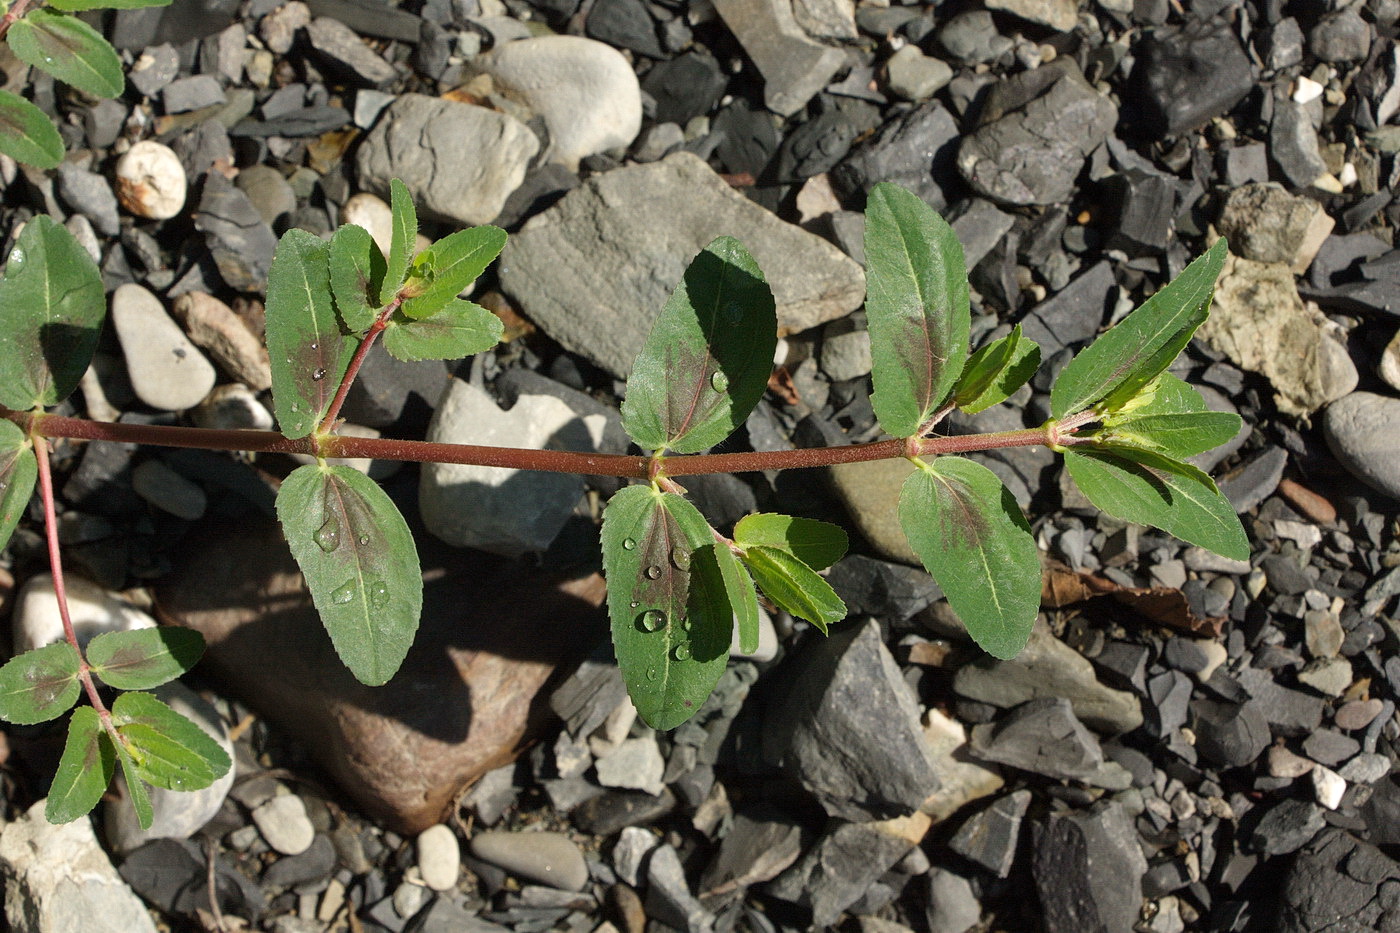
(213, 325)
(468, 698)
(1311, 504)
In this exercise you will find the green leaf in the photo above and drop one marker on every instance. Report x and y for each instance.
(739, 591)
(27, 134)
(39, 685)
(1178, 436)
(70, 50)
(360, 564)
(708, 357)
(135, 789)
(79, 6)
(309, 353)
(84, 771)
(671, 617)
(1150, 489)
(18, 471)
(403, 233)
(816, 544)
(1140, 347)
(917, 307)
(357, 274)
(996, 370)
(459, 330)
(972, 538)
(53, 305)
(167, 749)
(456, 262)
(794, 586)
(143, 658)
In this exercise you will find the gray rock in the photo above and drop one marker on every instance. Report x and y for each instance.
(669, 900)
(1230, 735)
(916, 151)
(339, 47)
(547, 857)
(1059, 15)
(166, 370)
(870, 493)
(1293, 142)
(1255, 481)
(952, 905)
(156, 67)
(586, 92)
(1072, 315)
(1340, 37)
(460, 161)
(839, 869)
(914, 75)
(388, 389)
(1050, 668)
(1267, 224)
(643, 224)
(972, 37)
(508, 512)
(168, 491)
(1032, 154)
(1282, 44)
(1360, 430)
(316, 864)
(57, 878)
(269, 191)
(846, 349)
(1338, 882)
(794, 66)
(1288, 712)
(980, 225)
(989, 836)
(880, 588)
(635, 764)
(759, 846)
(1170, 62)
(284, 825)
(236, 234)
(1088, 870)
(1288, 826)
(860, 760)
(1043, 737)
(89, 194)
(192, 93)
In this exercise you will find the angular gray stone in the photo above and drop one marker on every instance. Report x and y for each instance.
(89, 194)
(1042, 736)
(166, 370)
(668, 895)
(1230, 735)
(989, 836)
(1342, 36)
(459, 161)
(1293, 141)
(547, 857)
(794, 67)
(338, 45)
(916, 151)
(269, 191)
(237, 236)
(844, 863)
(1059, 15)
(1338, 882)
(596, 268)
(1050, 668)
(952, 905)
(914, 75)
(57, 878)
(192, 93)
(760, 845)
(1361, 430)
(848, 728)
(1170, 63)
(1088, 870)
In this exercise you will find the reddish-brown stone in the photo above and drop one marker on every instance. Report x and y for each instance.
(468, 698)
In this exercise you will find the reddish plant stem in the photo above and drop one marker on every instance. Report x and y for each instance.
(13, 15)
(550, 461)
(41, 453)
(356, 362)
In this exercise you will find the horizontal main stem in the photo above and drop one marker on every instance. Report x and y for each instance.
(551, 461)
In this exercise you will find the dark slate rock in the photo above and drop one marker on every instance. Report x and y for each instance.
(980, 225)
(235, 234)
(1164, 878)
(989, 836)
(840, 868)
(614, 811)
(1186, 75)
(542, 187)
(192, 93)
(1227, 734)
(1337, 882)
(387, 390)
(1124, 665)
(721, 497)
(299, 122)
(1088, 870)
(1281, 45)
(173, 875)
(1340, 255)
(1169, 695)
(369, 18)
(203, 147)
(916, 152)
(1072, 315)
(1287, 827)
(1339, 37)
(880, 588)
(1329, 747)
(102, 481)
(668, 895)
(1186, 655)
(817, 145)
(685, 86)
(1041, 736)
(1293, 143)
(761, 844)
(1254, 482)
(315, 864)
(624, 24)
(447, 916)
(1288, 712)
(865, 760)
(136, 29)
(340, 50)
(1246, 164)
(1144, 208)
(1286, 576)
(1382, 813)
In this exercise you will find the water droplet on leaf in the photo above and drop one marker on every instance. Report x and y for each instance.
(681, 652)
(719, 381)
(651, 621)
(318, 374)
(629, 544)
(364, 539)
(635, 603)
(651, 673)
(343, 594)
(328, 535)
(378, 594)
(680, 556)
(653, 572)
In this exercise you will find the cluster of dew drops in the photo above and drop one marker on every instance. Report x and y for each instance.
(327, 538)
(654, 620)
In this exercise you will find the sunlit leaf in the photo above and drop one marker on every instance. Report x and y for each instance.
(167, 749)
(356, 275)
(53, 305)
(794, 586)
(70, 50)
(816, 544)
(1151, 489)
(403, 233)
(27, 134)
(916, 305)
(309, 353)
(707, 360)
(135, 788)
(671, 616)
(972, 538)
(1132, 353)
(84, 770)
(457, 261)
(738, 589)
(40, 684)
(18, 472)
(997, 370)
(459, 330)
(360, 564)
(78, 6)
(140, 659)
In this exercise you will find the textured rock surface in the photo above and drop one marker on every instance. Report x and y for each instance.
(596, 268)
(1088, 869)
(1361, 430)
(794, 66)
(1340, 883)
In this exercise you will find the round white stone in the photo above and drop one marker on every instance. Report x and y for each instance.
(92, 609)
(151, 181)
(284, 824)
(167, 371)
(439, 857)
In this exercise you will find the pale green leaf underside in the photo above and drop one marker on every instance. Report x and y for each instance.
(997, 370)
(794, 586)
(743, 600)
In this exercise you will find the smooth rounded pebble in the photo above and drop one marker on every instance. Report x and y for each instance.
(284, 824)
(92, 609)
(1361, 430)
(151, 181)
(549, 858)
(167, 490)
(167, 371)
(439, 857)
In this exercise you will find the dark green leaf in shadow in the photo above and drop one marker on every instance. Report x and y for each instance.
(18, 472)
(167, 749)
(54, 305)
(84, 770)
(27, 134)
(816, 544)
(917, 307)
(794, 586)
(39, 685)
(309, 353)
(972, 538)
(356, 274)
(459, 330)
(144, 658)
(997, 370)
(708, 357)
(70, 50)
(1148, 488)
(360, 564)
(457, 260)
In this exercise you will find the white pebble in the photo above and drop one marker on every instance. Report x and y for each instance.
(167, 371)
(284, 824)
(151, 181)
(439, 857)
(92, 610)
(1328, 787)
(1305, 89)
